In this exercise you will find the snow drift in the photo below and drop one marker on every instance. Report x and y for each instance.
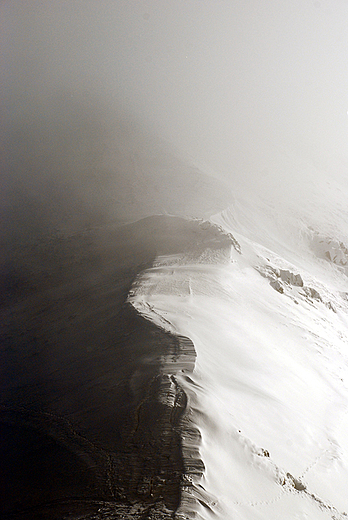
(268, 317)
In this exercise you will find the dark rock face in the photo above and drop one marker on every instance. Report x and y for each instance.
(277, 286)
(91, 412)
(279, 277)
(310, 292)
(291, 278)
(331, 249)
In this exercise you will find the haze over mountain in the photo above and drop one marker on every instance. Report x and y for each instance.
(174, 255)
(247, 92)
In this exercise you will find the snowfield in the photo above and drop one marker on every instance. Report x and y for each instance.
(269, 392)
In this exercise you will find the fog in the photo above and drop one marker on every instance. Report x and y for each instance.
(114, 110)
(233, 111)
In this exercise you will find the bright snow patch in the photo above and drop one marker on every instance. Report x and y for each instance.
(269, 392)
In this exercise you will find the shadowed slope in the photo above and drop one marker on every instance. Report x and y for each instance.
(90, 412)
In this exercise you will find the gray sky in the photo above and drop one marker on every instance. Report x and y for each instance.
(246, 89)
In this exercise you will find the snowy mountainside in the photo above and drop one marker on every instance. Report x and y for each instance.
(269, 392)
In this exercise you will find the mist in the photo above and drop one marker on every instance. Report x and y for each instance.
(73, 166)
(253, 95)
(174, 188)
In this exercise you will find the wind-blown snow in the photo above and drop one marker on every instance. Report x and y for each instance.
(269, 392)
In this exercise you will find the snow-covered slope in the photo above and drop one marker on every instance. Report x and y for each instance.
(269, 391)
